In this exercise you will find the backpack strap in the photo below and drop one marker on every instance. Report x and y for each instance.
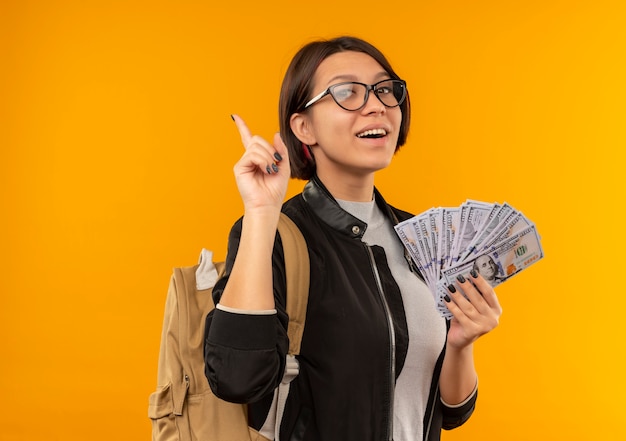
(297, 269)
(297, 273)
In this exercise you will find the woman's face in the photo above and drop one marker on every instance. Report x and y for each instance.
(354, 142)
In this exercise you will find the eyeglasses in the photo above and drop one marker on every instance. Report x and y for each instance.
(353, 95)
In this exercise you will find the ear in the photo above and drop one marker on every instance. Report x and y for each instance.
(301, 127)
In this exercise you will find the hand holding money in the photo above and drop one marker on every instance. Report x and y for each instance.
(495, 240)
(474, 304)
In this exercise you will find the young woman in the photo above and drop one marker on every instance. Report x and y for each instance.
(377, 361)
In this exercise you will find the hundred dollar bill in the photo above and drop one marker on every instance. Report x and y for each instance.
(407, 234)
(498, 263)
(438, 233)
(494, 218)
(420, 235)
(473, 215)
(461, 220)
(451, 221)
(414, 243)
(512, 224)
(423, 233)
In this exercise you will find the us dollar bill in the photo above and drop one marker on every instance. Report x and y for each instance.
(446, 242)
(498, 263)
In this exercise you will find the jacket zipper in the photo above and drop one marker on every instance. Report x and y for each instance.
(392, 341)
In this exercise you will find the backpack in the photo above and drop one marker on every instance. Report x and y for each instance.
(183, 407)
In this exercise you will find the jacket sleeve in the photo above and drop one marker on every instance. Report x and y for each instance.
(245, 353)
(454, 416)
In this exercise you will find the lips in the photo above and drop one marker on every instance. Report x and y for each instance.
(372, 133)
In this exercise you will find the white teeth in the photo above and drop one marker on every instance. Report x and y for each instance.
(373, 132)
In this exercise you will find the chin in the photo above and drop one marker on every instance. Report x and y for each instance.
(380, 165)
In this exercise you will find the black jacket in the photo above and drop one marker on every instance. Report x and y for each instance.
(348, 365)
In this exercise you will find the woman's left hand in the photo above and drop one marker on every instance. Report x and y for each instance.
(474, 314)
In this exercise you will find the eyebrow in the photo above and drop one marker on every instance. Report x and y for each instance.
(348, 77)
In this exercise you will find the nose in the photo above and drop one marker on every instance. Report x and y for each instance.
(373, 104)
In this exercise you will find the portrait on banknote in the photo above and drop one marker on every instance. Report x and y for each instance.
(487, 267)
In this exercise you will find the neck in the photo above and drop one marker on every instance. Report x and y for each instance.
(349, 187)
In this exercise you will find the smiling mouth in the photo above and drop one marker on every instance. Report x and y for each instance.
(374, 133)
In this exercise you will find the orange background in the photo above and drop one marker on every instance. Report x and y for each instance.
(116, 155)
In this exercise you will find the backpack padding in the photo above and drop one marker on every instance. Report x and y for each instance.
(297, 269)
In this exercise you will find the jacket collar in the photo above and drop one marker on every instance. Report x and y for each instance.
(317, 196)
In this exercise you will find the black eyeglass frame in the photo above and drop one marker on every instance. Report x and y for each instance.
(368, 87)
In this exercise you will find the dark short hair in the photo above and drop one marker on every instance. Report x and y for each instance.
(297, 88)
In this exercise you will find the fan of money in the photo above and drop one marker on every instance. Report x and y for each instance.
(496, 240)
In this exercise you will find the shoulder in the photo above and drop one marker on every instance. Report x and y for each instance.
(296, 209)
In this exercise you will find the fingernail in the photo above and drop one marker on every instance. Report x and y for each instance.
(451, 288)
(278, 157)
(232, 117)
(269, 170)
(275, 168)
(446, 298)
(460, 278)
(473, 273)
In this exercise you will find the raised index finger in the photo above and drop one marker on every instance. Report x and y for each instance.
(244, 132)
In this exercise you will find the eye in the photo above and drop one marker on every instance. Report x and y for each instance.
(343, 92)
